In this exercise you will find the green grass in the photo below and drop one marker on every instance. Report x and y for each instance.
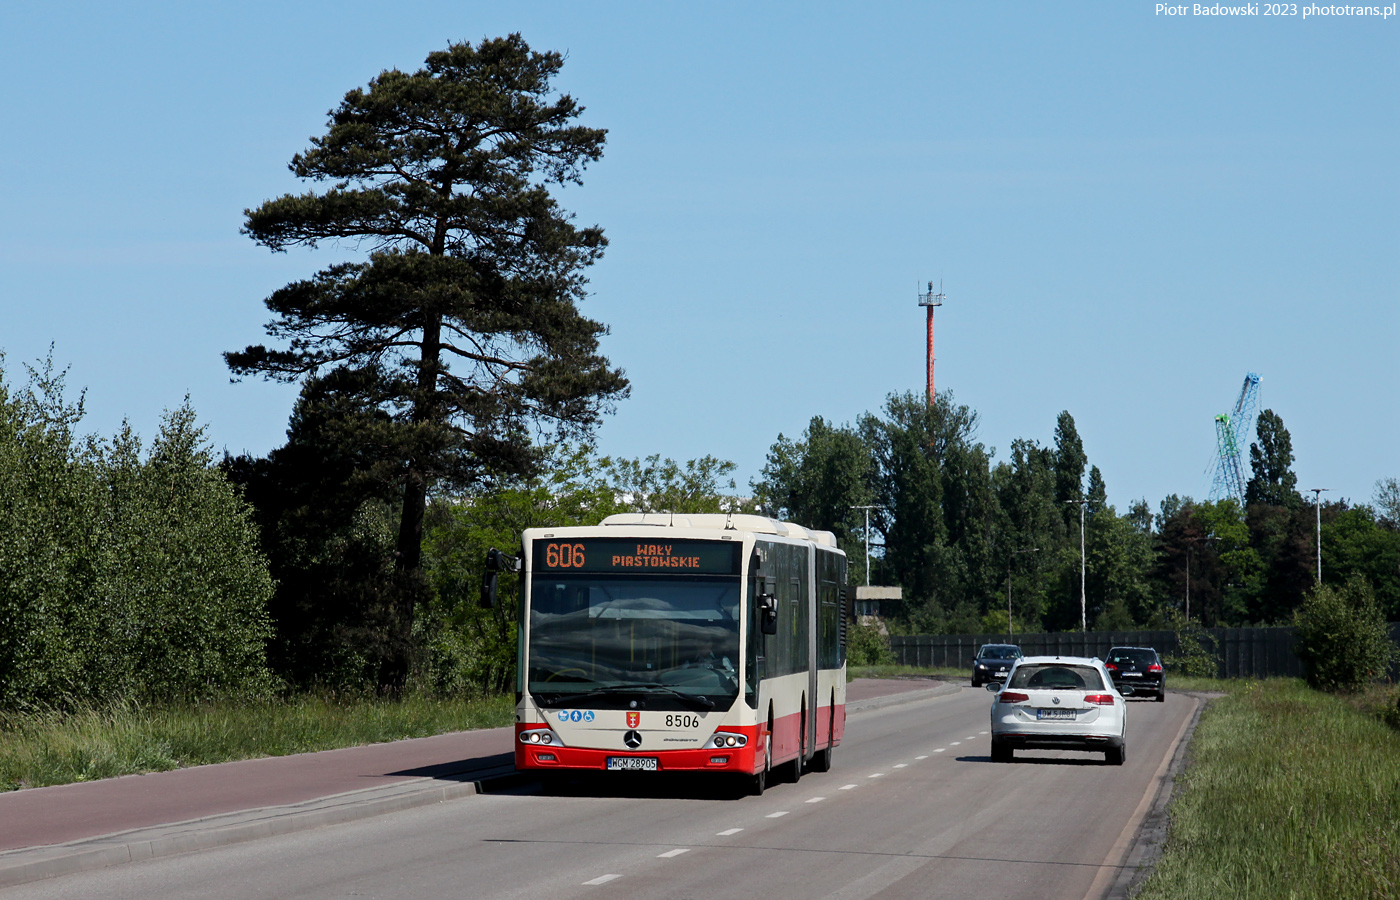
(60, 748)
(1288, 793)
(903, 671)
(1204, 685)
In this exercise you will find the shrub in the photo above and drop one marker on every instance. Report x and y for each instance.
(867, 646)
(1192, 657)
(1341, 637)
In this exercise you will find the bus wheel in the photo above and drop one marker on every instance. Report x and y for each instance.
(759, 782)
(821, 760)
(795, 773)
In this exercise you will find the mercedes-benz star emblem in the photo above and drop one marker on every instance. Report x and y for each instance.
(632, 739)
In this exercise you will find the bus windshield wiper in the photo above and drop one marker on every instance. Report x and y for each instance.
(628, 687)
(699, 699)
(603, 690)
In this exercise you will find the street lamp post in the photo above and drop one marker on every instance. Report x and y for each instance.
(1083, 615)
(867, 539)
(1317, 502)
(1011, 631)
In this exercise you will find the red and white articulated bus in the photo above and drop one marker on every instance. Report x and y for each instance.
(680, 643)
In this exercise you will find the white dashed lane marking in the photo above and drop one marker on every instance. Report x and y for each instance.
(876, 775)
(921, 757)
(602, 879)
(728, 832)
(776, 814)
(816, 800)
(847, 787)
(940, 750)
(670, 853)
(901, 765)
(954, 743)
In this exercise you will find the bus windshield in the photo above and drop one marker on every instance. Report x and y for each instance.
(606, 640)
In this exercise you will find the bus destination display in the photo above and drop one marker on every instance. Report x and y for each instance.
(664, 557)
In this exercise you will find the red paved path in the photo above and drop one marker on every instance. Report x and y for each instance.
(55, 815)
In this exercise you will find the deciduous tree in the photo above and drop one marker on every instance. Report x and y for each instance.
(1271, 461)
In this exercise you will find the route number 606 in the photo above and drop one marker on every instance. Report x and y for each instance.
(563, 556)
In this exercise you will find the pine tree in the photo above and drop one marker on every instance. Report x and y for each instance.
(461, 327)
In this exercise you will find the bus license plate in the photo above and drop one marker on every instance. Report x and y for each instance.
(1054, 714)
(631, 764)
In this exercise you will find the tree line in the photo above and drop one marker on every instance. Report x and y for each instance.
(958, 530)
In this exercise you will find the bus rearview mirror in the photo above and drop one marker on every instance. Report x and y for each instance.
(768, 613)
(489, 597)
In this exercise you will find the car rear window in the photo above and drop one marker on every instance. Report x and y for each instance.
(1137, 657)
(1056, 676)
(991, 652)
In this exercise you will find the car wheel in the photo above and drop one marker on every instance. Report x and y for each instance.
(821, 761)
(1001, 752)
(1162, 695)
(1115, 756)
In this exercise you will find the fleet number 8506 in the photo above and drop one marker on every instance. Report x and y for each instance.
(682, 722)
(563, 556)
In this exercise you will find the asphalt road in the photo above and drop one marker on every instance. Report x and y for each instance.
(913, 807)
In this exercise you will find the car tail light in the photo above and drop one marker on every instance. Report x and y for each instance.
(1110, 667)
(1154, 668)
(1099, 699)
(1013, 697)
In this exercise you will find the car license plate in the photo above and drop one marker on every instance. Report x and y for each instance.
(1054, 714)
(631, 764)
(1132, 674)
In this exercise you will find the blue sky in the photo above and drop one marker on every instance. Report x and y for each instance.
(1128, 212)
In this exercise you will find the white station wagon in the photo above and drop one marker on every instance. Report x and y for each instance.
(1058, 703)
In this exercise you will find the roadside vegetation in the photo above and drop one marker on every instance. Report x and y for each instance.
(893, 671)
(39, 749)
(1289, 792)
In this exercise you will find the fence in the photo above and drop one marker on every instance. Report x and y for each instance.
(1239, 652)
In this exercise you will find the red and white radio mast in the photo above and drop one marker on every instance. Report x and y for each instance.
(930, 300)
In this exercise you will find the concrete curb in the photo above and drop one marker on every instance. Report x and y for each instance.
(38, 863)
(943, 690)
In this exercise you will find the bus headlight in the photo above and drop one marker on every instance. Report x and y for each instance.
(725, 740)
(543, 735)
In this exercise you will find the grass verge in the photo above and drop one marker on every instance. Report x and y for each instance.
(46, 749)
(1289, 793)
(902, 671)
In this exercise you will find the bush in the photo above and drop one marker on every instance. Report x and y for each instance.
(1192, 657)
(1341, 637)
(866, 646)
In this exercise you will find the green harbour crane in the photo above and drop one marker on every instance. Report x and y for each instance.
(1231, 432)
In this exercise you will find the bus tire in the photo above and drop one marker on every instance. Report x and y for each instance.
(795, 773)
(821, 760)
(758, 783)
